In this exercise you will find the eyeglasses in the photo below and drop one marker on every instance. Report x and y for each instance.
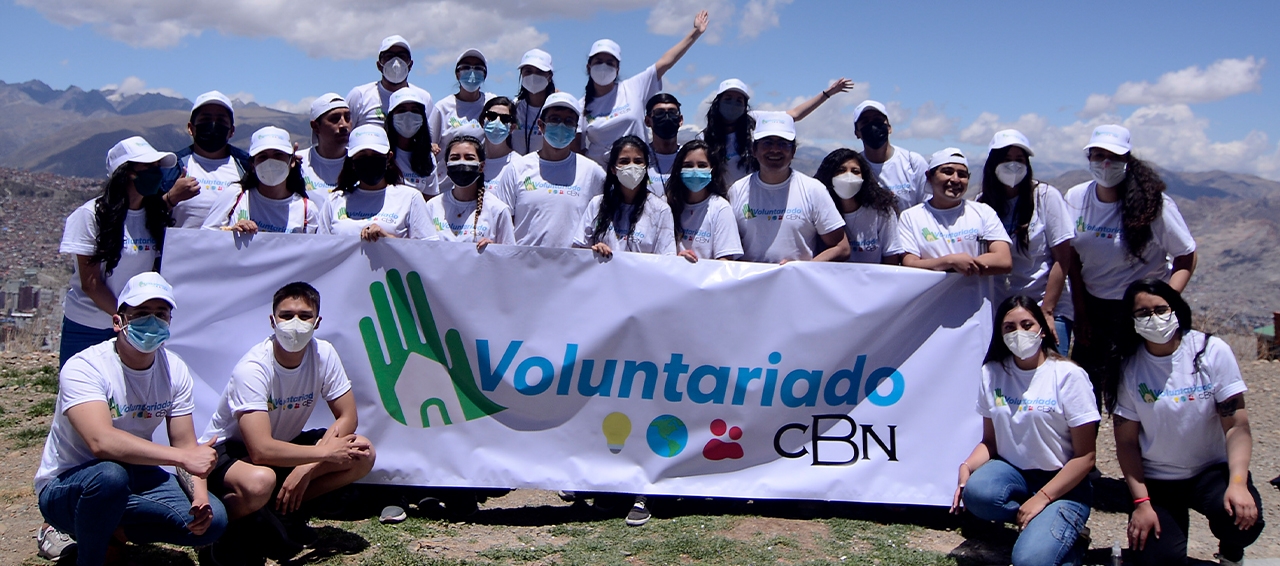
(1158, 311)
(561, 121)
(389, 55)
(666, 114)
(504, 118)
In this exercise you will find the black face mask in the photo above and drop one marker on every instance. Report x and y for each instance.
(147, 181)
(875, 134)
(665, 126)
(463, 175)
(370, 170)
(212, 136)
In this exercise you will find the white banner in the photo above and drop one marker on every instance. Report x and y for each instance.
(553, 369)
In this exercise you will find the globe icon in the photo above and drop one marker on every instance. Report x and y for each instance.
(667, 436)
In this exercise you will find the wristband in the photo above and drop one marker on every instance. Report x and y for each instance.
(1046, 495)
(1140, 501)
(825, 95)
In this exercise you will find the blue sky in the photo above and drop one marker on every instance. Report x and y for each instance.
(1194, 83)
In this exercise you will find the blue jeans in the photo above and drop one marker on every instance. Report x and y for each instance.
(995, 492)
(90, 501)
(77, 337)
(1062, 327)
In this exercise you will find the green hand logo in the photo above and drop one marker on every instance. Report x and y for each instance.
(1148, 395)
(403, 340)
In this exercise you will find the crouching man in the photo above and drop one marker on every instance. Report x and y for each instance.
(100, 479)
(267, 464)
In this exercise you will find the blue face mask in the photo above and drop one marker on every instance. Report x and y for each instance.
(471, 80)
(496, 131)
(147, 333)
(695, 179)
(559, 135)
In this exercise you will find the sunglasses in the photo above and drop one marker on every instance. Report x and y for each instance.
(504, 118)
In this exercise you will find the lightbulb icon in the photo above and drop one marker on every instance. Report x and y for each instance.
(616, 427)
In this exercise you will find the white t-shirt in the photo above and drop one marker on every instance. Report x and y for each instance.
(930, 233)
(547, 197)
(320, 174)
(259, 383)
(1177, 407)
(400, 211)
(733, 170)
(367, 101)
(653, 233)
(1105, 263)
(214, 176)
(451, 116)
(1033, 411)
(293, 214)
(618, 113)
(138, 401)
(138, 255)
(493, 167)
(906, 174)
(783, 221)
(873, 235)
(710, 230)
(455, 221)
(526, 138)
(660, 171)
(1050, 226)
(427, 185)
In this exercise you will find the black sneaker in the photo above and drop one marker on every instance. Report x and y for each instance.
(639, 514)
(298, 531)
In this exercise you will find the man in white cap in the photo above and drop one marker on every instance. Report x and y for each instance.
(897, 169)
(537, 82)
(330, 131)
(209, 165)
(548, 190)
(950, 233)
(368, 100)
(100, 479)
(784, 215)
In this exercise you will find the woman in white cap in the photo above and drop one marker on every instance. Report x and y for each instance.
(467, 212)
(272, 196)
(730, 122)
(460, 112)
(1127, 229)
(410, 136)
(369, 101)
(699, 201)
(1037, 221)
(115, 236)
(537, 82)
(330, 131)
(498, 120)
(616, 108)
(369, 200)
(627, 216)
(949, 233)
(870, 212)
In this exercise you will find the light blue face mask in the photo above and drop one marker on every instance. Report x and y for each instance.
(695, 179)
(496, 131)
(471, 80)
(559, 135)
(147, 333)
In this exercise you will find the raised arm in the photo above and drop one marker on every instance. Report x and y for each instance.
(673, 55)
(807, 107)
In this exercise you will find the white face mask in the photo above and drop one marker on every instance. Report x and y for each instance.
(846, 185)
(272, 172)
(534, 83)
(603, 74)
(1108, 173)
(294, 334)
(395, 71)
(407, 123)
(631, 175)
(1011, 173)
(1023, 343)
(1156, 328)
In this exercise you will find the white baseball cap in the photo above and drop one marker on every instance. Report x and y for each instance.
(948, 155)
(143, 287)
(137, 150)
(1006, 138)
(212, 97)
(606, 46)
(392, 41)
(562, 99)
(1111, 137)
(537, 59)
(470, 53)
(769, 124)
(406, 95)
(733, 84)
(326, 102)
(270, 137)
(368, 136)
(869, 105)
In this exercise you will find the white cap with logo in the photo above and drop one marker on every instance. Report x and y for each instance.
(270, 137)
(562, 100)
(869, 105)
(946, 156)
(368, 136)
(137, 150)
(143, 287)
(770, 124)
(392, 41)
(733, 84)
(212, 97)
(1007, 138)
(1111, 137)
(537, 59)
(606, 46)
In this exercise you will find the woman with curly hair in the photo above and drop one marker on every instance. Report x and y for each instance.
(1127, 229)
(115, 236)
(627, 215)
(870, 211)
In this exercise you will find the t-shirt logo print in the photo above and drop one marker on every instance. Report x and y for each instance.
(1148, 396)
(999, 399)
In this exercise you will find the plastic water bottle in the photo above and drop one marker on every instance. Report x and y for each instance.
(1115, 555)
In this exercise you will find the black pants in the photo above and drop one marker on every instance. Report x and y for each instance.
(1172, 499)
(1101, 357)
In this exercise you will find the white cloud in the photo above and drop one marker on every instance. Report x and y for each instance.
(242, 97)
(928, 122)
(300, 107)
(1223, 78)
(132, 85)
(758, 16)
(675, 17)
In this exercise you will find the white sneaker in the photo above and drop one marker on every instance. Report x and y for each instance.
(52, 543)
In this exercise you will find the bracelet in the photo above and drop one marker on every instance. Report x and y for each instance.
(1140, 501)
(1046, 495)
(825, 95)
(966, 466)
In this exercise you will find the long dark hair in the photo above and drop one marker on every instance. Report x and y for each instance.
(348, 180)
(294, 182)
(499, 101)
(524, 92)
(1129, 341)
(1141, 203)
(993, 195)
(479, 145)
(998, 351)
(419, 146)
(871, 194)
(717, 131)
(109, 212)
(611, 203)
(678, 195)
